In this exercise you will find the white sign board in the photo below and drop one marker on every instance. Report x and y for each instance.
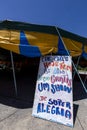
(53, 95)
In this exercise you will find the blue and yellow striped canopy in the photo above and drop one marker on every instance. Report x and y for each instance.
(37, 40)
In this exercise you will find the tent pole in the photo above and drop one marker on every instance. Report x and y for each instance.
(13, 69)
(72, 61)
(77, 65)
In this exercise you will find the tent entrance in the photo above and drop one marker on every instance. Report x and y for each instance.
(20, 82)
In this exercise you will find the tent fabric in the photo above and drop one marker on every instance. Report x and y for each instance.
(38, 40)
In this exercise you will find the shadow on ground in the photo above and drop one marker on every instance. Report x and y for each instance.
(75, 110)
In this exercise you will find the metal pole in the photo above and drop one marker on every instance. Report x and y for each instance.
(76, 66)
(12, 62)
(72, 61)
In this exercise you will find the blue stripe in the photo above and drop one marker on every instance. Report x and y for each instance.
(26, 49)
(84, 54)
(61, 48)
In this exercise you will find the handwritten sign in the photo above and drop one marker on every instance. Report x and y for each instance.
(53, 95)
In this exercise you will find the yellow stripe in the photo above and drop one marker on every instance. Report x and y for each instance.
(10, 40)
(85, 49)
(9, 46)
(74, 47)
(47, 43)
(15, 37)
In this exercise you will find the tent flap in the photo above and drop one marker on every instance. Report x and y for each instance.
(37, 40)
